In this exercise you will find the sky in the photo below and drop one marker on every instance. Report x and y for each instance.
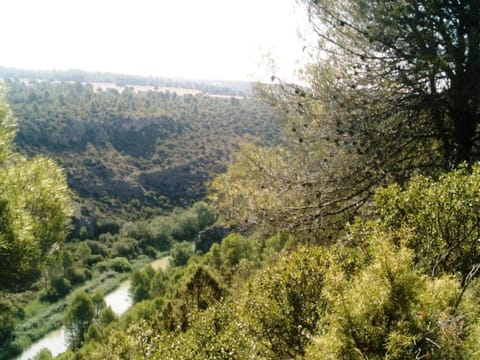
(201, 39)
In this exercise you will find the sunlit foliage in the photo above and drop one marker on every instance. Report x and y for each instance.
(34, 208)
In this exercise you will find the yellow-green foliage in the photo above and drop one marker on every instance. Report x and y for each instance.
(7, 127)
(285, 301)
(245, 191)
(368, 301)
(389, 309)
(34, 208)
(371, 296)
(444, 216)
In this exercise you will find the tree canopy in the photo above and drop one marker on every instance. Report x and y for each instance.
(132, 154)
(392, 91)
(402, 68)
(34, 208)
(80, 315)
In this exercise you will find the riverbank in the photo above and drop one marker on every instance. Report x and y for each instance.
(43, 318)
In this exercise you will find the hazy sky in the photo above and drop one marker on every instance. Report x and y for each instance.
(213, 39)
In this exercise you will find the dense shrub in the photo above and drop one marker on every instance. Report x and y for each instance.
(118, 264)
(125, 247)
(58, 288)
(181, 252)
(444, 216)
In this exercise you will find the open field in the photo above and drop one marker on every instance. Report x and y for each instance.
(141, 88)
(104, 86)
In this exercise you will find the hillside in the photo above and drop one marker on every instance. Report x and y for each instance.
(129, 154)
(351, 233)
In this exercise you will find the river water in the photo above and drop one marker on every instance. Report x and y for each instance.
(119, 300)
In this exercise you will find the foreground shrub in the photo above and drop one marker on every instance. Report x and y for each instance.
(445, 217)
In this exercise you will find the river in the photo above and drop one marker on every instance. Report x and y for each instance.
(119, 300)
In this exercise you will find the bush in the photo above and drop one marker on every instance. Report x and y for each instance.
(125, 247)
(235, 247)
(44, 354)
(78, 276)
(140, 230)
(110, 227)
(284, 302)
(98, 248)
(207, 237)
(444, 216)
(108, 316)
(118, 264)
(80, 314)
(181, 252)
(158, 285)
(150, 252)
(93, 259)
(59, 287)
(140, 285)
(386, 308)
(7, 323)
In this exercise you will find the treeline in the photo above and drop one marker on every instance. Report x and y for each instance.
(132, 155)
(230, 88)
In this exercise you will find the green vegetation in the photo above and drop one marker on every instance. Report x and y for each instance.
(41, 317)
(372, 294)
(226, 88)
(34, 209)
(393, 93)
(356, 236)
(353, 237)
(132, 155)
(34, 213)
(79, 316)
(97, 265)
(102, 244)
(44, 354)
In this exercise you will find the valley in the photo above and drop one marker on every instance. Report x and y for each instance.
(137, 160)
(329, 211)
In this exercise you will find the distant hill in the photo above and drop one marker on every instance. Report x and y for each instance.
(215, 87)
(131, 155)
